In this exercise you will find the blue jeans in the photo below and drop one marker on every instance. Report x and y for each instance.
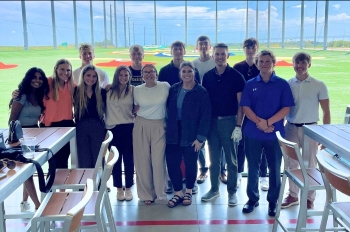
(253, 149)
(220, 138)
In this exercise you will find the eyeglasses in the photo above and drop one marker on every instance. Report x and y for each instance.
(249, 71)
(7, 163)
(150, 72)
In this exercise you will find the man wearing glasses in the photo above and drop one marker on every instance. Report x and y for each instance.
(249, 70)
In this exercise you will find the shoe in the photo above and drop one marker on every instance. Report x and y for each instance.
(187, 200)
(310, 204)
(176, 200)
(239, 179)
(223, 178)
(289, 201)
(170, 188)
(264, 183)
(128, 195)
(272, 209)
(201, 178)
(232, 199)
(210, 195)
(249, 206)
(25, 206)
(120, 196)
(195, 189)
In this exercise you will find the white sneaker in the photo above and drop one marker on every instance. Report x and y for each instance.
(239, 179)
(120, 196)
(264, 183)
(25, 206)
(128, 195)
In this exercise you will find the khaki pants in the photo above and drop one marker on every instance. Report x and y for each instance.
(149, 159)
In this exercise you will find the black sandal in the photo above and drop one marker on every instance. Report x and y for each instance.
(176, 200)
(187, 197)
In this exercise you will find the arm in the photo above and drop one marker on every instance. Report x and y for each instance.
(250, 114)
(204, 122)
(15, 111)
(326, 111)
(279, 115)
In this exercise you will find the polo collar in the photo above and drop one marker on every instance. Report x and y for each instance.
(273, 77)
(308, 79)
(227, 67)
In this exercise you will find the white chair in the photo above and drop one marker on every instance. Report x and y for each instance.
(76, 178)
(305, 178)
(97, 210)
(335, 179)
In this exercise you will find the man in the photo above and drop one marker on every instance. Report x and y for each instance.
(87, 56)
(136, 53)
(266, 100)
(204, 63)
(308, 94)
(224, 85)
(170, 72)
(249, 70)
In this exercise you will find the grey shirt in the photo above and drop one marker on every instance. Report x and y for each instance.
(30, 114)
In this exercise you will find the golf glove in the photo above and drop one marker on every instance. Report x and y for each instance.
(236, 134)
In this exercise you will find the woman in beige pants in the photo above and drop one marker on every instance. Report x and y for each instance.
(149, 137)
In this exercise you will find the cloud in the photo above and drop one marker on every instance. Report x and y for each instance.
(178, 25)
(98, 17)
(298, 6)
(336, 6)
(13, 32)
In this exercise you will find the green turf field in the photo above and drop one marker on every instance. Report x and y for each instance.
(328, 66)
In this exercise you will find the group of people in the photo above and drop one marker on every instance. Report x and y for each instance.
(160, 121)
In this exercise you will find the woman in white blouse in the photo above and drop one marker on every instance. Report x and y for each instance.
(149, 137)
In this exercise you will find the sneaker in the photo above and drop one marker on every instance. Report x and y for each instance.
(128, 195)
(232, 199)
(223, 178)
(239, 179)
(264, 183)
(201, 178)
(195, 189)
(169, 189)
(289, 201)
(25, 206)
(310, 204)
(120, 196)
(210, 195)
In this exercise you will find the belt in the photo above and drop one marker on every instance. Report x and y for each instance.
(224, 117)
(302, 124)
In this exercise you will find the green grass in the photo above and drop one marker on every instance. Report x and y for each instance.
(332, 69)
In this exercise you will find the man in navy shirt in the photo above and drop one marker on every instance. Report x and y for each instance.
(224, 85)
(266, 100)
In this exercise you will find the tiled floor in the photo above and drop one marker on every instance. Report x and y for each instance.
(200, 216)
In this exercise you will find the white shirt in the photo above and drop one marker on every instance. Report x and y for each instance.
(104, 80)
(307, 95)
(152, 101)
(203, 66)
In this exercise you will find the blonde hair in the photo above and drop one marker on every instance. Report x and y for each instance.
(80, 97)
(136, 48)
(55, 79)
(85, 46)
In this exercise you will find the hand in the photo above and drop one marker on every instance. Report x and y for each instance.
(321, 146)
(236, 134)
(197, 145)
(262, 124)
(15, 94)
(270, 129)
(107, 87)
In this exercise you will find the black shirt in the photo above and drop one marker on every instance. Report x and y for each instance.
(249, 72)
(171, 74)
(223, 90)
(136, 78)
(91, 111)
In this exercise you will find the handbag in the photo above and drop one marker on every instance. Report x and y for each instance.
(16, 154)
(15, 131)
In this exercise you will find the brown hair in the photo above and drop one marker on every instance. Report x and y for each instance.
(300, 56)
(220, 45)
(265, 53)
(177, 43)
(250, 42)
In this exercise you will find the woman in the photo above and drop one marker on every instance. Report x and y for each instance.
(89, 108)
(149, 137)
(188, 124)
(120, 120)
(27, 108)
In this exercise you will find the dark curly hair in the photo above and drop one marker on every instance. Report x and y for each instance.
(26, 88)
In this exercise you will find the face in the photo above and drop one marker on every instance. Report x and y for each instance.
(90, 77)
(220, 56)
(136, 56)
(64, 72)
(37, 81)
(204, 46)
(265, 64)
(178, 52)
(301, 67)
(123, 77)
(87, 56)
(251, 51)
(149, 74)
(187, 74)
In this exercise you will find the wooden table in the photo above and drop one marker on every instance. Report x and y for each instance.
(54, 138)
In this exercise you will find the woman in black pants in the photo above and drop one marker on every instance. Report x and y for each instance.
(188, 124)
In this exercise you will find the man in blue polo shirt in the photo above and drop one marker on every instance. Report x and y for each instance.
(224, 85)
(266, 100)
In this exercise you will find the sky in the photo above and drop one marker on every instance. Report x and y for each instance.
(170, 21)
